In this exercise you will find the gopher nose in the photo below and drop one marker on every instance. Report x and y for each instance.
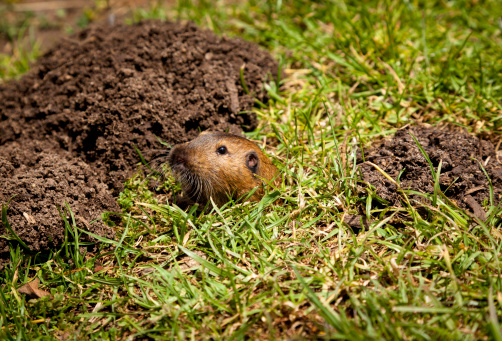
(179, 160)
(176, 158)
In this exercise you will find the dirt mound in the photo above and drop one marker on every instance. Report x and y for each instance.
(112, 88)
(68, 128)
(42, 182)
(461, 179)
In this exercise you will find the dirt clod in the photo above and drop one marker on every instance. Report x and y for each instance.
(462, 179)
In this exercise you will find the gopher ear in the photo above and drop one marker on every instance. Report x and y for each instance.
(252, 161)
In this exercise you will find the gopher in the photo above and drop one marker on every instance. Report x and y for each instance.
(220, 166)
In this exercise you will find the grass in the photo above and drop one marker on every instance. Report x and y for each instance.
(23, 53)
(288, 265)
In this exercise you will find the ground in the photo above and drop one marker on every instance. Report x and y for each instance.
(384, 117)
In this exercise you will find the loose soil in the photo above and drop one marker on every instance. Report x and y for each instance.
(461, 179)
(43, 183)
(69, 128)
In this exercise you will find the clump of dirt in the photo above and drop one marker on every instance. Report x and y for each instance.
(112, 88)
(461, 179)
(69, 128)
(38, 183)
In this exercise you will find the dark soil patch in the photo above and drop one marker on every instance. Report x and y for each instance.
(42, 182)
(462, 179)
(76, 117)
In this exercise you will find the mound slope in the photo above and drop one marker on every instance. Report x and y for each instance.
(69, 128)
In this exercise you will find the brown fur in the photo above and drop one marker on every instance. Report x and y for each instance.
(204, 172)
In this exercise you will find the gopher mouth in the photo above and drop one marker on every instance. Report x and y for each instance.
(190, 183)
(196, 188)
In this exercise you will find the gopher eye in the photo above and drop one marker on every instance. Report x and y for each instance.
(222, 150)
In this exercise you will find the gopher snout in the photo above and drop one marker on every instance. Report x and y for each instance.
(177, 160)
